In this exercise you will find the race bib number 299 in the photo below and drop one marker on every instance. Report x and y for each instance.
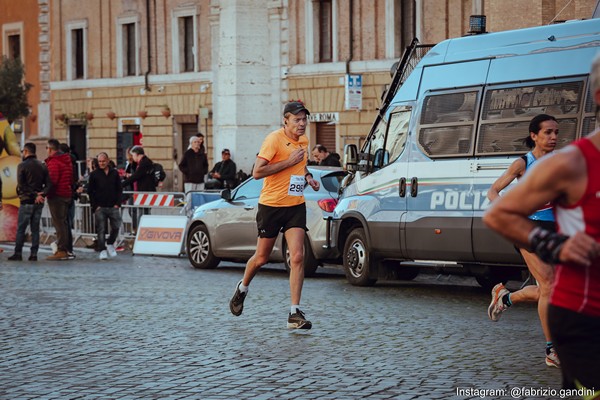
(296, 187)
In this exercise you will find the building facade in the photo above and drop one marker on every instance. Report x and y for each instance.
(155, 72)
(25, 35)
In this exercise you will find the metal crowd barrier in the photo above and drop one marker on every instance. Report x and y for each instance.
(137, 204)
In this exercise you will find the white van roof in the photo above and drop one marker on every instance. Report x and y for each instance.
(539, 39)
(518, 55)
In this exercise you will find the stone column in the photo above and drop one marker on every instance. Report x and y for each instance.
(242, 92)
(44, 112)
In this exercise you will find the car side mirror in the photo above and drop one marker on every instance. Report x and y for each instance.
(350, 157)
(226, 194)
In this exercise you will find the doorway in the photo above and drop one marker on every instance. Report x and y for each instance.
(326, 135)
(78, 145)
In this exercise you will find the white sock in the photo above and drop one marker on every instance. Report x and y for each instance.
(294, 308)
(243, 288)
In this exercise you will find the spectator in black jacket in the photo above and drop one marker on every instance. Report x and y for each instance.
(105, 191)
(223, 173)
(142, 180)
(194, 165)
(324, 157)
(33, 184)
(143, 176)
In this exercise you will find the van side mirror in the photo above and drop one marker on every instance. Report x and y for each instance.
(350, 157)
(226, 194)
(381, 158)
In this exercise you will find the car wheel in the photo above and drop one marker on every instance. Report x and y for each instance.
(357, 259)
(199, 249)
(310, 262)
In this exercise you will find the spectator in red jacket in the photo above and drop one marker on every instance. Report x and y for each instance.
(60, 197)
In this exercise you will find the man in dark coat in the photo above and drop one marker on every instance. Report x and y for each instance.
(105, 191)
(143, 175)
(33, 184)
(194, 165)
(223, 173)
(324, 157)
(142, 180)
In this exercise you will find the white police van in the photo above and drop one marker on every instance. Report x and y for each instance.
(445, 132)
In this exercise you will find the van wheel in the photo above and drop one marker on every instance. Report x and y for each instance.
(199, 249)
(310, 262)
(357, 259)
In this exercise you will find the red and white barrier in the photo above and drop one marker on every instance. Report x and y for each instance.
(153, 200)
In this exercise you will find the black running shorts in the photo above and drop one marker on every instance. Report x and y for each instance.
(575, 338)
(271, 220)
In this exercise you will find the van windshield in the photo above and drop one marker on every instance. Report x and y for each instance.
(389, 139)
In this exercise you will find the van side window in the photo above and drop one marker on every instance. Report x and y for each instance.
(447, 124)
(397, 134)
(507, 111)
(589, 118)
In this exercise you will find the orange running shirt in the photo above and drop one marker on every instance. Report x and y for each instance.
(278, 147)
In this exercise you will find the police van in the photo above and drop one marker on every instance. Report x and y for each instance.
(446, 131)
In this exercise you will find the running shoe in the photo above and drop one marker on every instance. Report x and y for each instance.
(497, 307)
(236, 304)
(112, 252)
(297, 320)
(103, 255)
(552, 358)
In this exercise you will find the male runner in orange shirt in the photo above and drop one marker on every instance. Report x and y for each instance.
(282, 162)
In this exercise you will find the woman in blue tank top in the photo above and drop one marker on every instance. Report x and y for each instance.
(545, 213)
(542, 139)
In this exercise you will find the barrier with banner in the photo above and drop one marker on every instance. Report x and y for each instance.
(160, 235)
(139, 204)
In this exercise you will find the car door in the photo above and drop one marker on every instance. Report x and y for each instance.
(236, 231)
(440, 200)
(383, 191)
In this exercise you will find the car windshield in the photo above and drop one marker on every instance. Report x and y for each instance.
(332, 182)
(249, 189)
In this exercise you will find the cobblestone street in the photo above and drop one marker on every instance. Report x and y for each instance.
(154, 328)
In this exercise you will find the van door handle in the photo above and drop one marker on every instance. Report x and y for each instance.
(402, 187)
(414, 186)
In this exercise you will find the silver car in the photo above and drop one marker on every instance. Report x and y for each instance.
(226, 229)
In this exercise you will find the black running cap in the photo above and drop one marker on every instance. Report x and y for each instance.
(295, 107)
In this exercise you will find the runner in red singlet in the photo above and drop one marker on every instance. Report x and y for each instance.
(571, 180)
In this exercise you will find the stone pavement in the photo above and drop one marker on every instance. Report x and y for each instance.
(154, 328)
